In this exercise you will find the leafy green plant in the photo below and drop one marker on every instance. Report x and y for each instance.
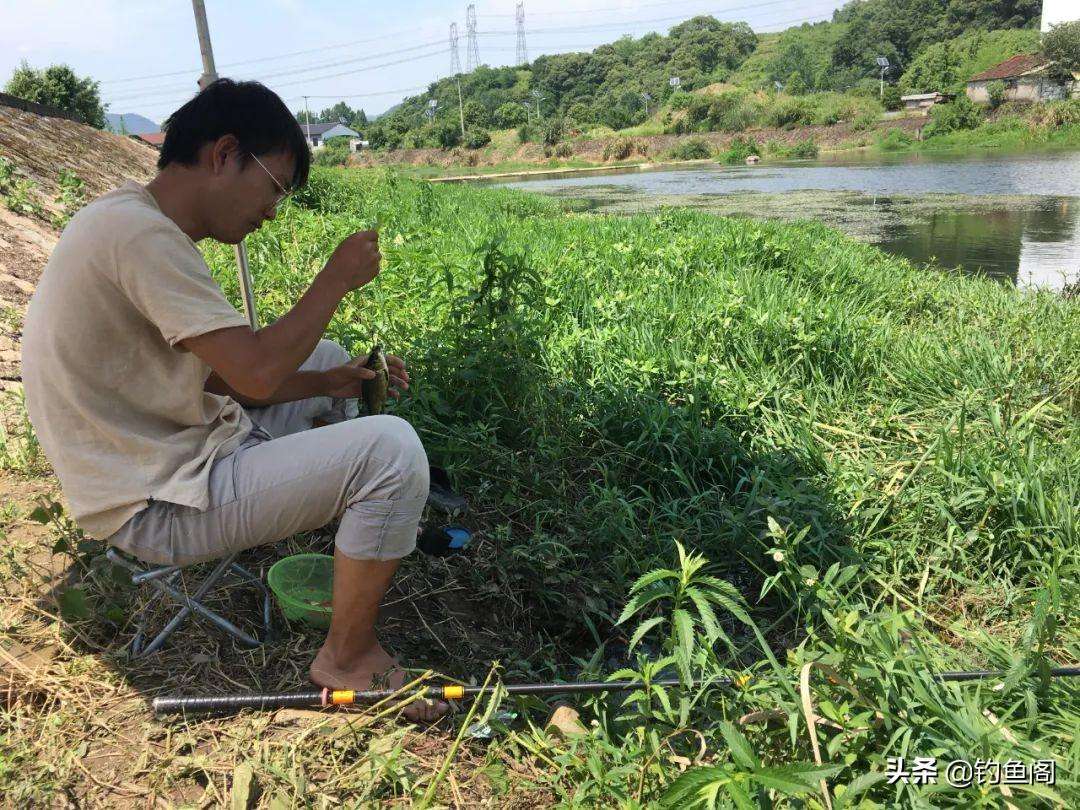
(740, 149)
(692, 149)
(995, 92)
(72, 197)
(688, 597)
(894, 140)
(476, 138)
(19, 448)
(19, 197)
(745, 781)
(619, 149)
(960, 113)
(551, 130)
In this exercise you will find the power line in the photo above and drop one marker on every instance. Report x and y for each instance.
(275, 57)
(344, 96)
(628, 7)
(291, 72)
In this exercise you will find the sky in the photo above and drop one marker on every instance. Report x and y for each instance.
(146, 55)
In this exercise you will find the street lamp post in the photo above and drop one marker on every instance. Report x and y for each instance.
(536, 94)
(883, 63)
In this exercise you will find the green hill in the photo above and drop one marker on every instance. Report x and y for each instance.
(608, 86)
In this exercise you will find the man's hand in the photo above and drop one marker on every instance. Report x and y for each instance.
(355, 262)
(345, 381)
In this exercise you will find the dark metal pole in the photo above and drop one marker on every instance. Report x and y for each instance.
(327, 697)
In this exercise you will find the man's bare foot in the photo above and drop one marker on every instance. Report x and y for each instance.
(377, 669)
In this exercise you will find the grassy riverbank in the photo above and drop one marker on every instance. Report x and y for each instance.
(880, 464)
(1008, 133)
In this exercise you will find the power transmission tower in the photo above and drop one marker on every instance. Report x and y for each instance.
(455, 58)
(470, 29)
(522, 52)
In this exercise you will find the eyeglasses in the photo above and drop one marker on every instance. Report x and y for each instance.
(284, 192)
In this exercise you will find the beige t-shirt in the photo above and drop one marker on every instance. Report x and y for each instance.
(118, 407)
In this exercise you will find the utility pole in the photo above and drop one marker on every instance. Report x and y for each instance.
(647, 98)
(522, 52)
(473, 60)
(209, 75)
(307, 118)
(460, 106)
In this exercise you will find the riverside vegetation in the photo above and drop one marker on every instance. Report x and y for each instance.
(694, 445)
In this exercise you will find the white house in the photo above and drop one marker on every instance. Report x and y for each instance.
(318, 134)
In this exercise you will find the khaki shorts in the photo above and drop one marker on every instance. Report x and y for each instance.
(288, 477)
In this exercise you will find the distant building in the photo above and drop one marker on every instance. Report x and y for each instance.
(155, 139)
(1026, 78)
(318, 134)
(920, 103)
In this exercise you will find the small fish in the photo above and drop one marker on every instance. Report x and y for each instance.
(375, 389)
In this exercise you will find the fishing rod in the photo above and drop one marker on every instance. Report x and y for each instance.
(322, 698)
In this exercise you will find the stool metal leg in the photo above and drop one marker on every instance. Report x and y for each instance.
(161, 579)
(140, 631)
(192, 603)
(258, 583)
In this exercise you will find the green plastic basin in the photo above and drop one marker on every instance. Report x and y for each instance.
(303, 585)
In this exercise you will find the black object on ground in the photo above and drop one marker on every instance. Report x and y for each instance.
(442, 541)
(441, 495)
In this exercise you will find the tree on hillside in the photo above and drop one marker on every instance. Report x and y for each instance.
(1062, 44)
(946, 66)
(58, 86)
(340, 113)
(476, 116)
(901, 30)
(510, 115)
(360, 119)
(962, 16)
(704, 44)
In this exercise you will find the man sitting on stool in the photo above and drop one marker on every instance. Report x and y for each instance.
(181, 435)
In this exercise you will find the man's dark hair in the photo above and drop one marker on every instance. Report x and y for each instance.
(248, 110)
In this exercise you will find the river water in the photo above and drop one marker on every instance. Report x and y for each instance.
(1012, 216)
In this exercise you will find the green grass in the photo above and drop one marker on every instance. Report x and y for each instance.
(881, 462)
(907, 439)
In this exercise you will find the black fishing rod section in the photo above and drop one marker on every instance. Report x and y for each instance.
(323, 698)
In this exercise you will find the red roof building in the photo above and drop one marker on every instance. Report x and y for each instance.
(155, 139)
(1023, 78)
(1012, 68)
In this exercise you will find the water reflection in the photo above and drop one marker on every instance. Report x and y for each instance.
(1032, 247)
(1014, 216)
